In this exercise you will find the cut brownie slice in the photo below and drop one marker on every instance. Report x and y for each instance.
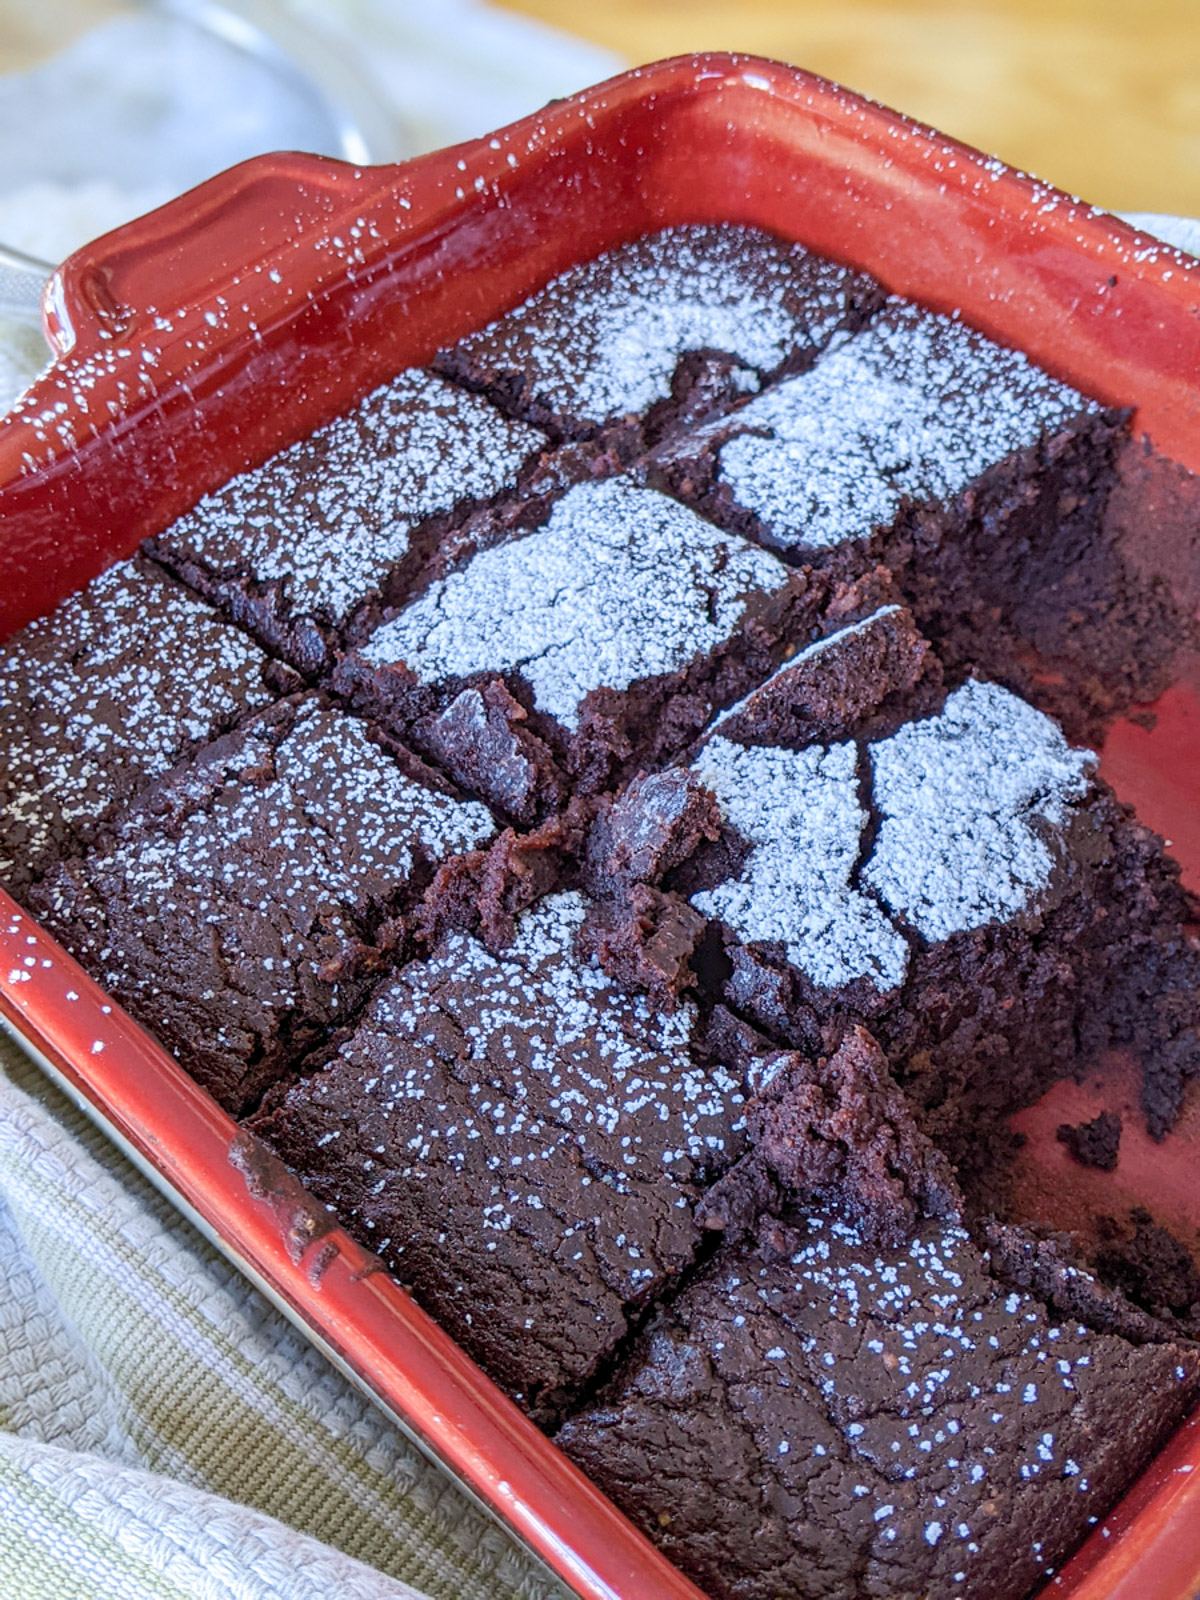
(812, 1417)
(953, 873)
(681, 322)
(240, 908)
(914, 411)
(978, 478)
(521, 1142)
(104, 695)
(619, 625)
(344, 518)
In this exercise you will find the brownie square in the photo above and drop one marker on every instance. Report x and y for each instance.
(102, 696)
(293, 549)
(679, 323)
(521, 1142)
(242, 907)
(618, 626)
(812, 1417)
(970, 823)
(979, 479)
(913, 410)
(944, 867)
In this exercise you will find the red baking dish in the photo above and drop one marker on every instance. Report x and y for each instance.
(199, 339)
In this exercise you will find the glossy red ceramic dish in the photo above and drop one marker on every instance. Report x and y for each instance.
(229, 323)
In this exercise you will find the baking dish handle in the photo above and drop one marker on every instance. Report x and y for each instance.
(203, 243)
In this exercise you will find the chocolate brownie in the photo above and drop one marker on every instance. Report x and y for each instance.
(960, 879)
(521, 1142)
(344, 519)
(672, 1089)
(619, 625)
(977, 477)
(813, 1417)
(241, 907)
(1152, 1267)
(673, 325)
(102, 696)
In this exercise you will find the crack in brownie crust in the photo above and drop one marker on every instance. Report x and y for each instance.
(964, 884)
(914, 408)
(624, 620)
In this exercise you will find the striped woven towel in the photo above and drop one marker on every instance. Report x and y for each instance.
(167, 1434)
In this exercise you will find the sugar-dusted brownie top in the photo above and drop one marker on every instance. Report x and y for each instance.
(522, 1142)
(295, 546)
(849, 848)
(913, 409)
(613, 337)
(102, 696)
(240, 908)
(621, 622)
(812, 1417)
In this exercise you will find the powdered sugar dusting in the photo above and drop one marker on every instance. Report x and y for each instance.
(334, 513)
(970, 801)
(915, 407)
(951, 1361)
(286, 843)
(564, 1043)
(521, 1141)
(800, 813)
(620, 584)
(103, 695)
(604, 339)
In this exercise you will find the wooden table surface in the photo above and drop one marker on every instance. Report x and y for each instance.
(1099, 96)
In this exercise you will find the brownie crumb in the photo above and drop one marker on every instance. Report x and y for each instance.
(645, 941)
(1152, 1266)
(482, 891)
(1095, 1143)
(838, 1132)
(656, 824)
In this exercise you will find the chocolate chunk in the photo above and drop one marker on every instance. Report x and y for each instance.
(1094, 1143)
(481, 740)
